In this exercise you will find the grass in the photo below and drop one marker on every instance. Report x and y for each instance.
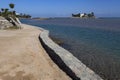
(12, 28)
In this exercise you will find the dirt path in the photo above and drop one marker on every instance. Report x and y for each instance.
(23, 58)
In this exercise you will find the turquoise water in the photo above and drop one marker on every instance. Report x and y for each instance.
(96, 42)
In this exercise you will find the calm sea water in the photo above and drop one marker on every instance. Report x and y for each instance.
(96, 42)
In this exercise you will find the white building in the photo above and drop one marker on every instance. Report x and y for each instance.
(82, 15)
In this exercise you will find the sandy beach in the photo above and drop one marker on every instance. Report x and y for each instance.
(22, 57)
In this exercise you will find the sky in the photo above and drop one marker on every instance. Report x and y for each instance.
(64, 8)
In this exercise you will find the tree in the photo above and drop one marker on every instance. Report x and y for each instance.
(0, 13)
(92, 14)
(76, 15)
(11, 5)
(4, 12)
(2, 9)
(14, 12)
(89, 15)
(6, 9)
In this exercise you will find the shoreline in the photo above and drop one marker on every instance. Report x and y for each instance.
(66, 61)
(23, 57)
(94, 57)
(64, 65)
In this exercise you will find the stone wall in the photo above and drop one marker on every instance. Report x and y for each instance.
(66, 61)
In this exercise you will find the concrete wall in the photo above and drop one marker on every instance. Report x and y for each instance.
(66, 61)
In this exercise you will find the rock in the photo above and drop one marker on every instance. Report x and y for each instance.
(4, 23)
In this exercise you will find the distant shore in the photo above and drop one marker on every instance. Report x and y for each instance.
(40, 18)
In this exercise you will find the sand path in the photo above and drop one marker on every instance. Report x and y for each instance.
(23, 58)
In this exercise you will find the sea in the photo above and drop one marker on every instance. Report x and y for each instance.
(95, 42)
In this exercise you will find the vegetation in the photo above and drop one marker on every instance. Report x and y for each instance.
(91, 14)
(6, 12)
(12, 28)
(11, 16)
(11, 5)
(13, 13)
(21, 15)
(76, 15)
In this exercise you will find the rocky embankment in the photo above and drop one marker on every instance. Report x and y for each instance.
(4, 23)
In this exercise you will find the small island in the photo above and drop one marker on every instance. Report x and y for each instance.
(84, 15)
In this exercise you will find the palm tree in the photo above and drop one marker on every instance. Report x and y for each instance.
(11, 5)
(6, 12)
(2, 9)
(6, 9)
(14, 13)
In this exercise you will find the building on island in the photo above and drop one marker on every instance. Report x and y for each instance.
(82, 15)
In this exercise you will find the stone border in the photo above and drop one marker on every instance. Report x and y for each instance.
(66, 61)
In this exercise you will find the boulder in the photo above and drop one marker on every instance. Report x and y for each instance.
(4, 23)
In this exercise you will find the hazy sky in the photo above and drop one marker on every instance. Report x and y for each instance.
(64, 8)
